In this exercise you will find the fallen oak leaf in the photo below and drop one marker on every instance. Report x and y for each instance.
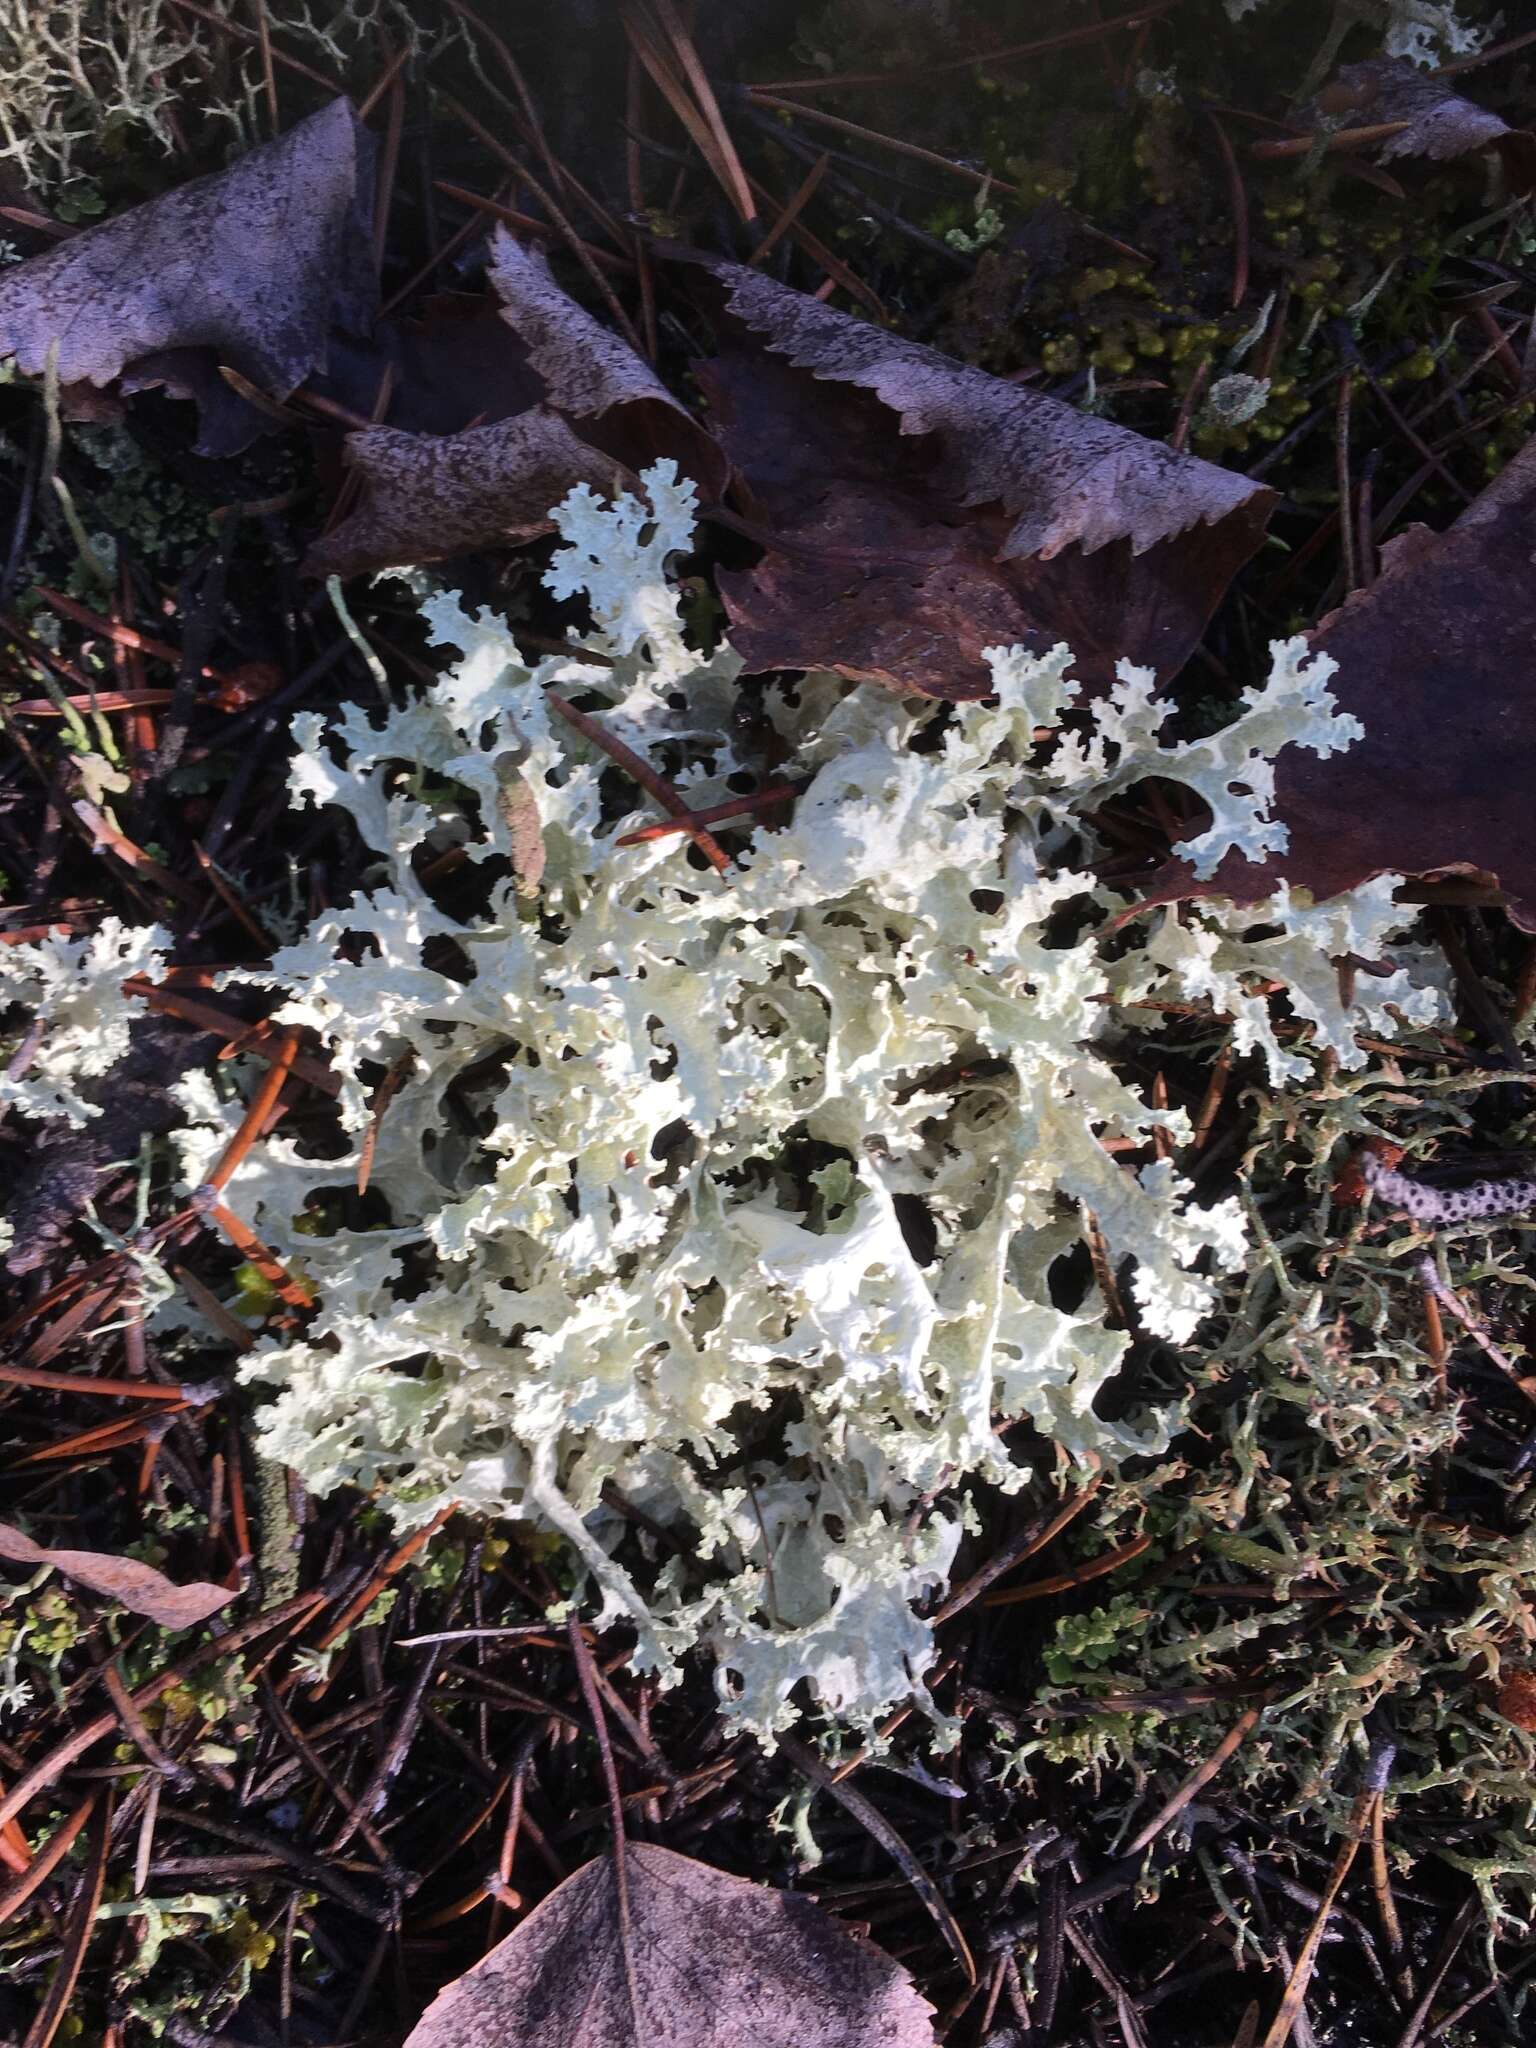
(1432, 660)
(138, 1587)
(677, 1955)
(988, 513)
(254, 263)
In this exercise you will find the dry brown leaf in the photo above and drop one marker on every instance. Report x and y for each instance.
(1434, 660)
(681, 1956)
(457, 364)
(254, 263)
(593, 377)
(1441, 124)
(919, 511)
(428, 496)
(1064, 477)
(138, 1587)
(569, 403)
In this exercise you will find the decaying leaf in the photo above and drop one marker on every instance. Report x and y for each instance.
(138, 1587)
(921, 510)
(254, 263)
(455, 364)
(1065, 477)
(565, 401)
(593, 377)
(679, 1956)
(1434, 660)
(428, 496)
(1439, 123)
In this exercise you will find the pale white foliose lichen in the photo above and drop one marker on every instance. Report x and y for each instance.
(731, 1202)
(1423, 31)
(76, 1016)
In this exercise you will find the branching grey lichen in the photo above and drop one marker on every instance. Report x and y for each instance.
(647, 1188)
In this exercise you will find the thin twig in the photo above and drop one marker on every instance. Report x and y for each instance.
(640, 770)
(1025, 1544)
(1201, 1775)
(869, 1817)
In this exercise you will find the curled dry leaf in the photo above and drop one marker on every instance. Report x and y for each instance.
(593, 377)
(919, 510)
(677, 1956)
(138, 1587)
(1434, 660)
(254, 264)
(428, 496)
(569, 401)
(1439, 122)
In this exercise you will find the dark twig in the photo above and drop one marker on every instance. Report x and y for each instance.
(869, 1817)
(1457, 1933)
(640, 770)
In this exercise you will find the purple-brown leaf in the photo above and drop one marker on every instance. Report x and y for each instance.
(428, 496)
(568, 402)
(1434, 660)
(917, 511)
(1064, 478)
(254, 263)
(681, 1956)
(593, 377)
(138, 1587)
(1438, 122)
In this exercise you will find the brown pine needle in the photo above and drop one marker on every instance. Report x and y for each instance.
(78, 1930)
(48, 1858)
(1200, 1776)
(1064, 1582)
(1008, 53)
(261, 1106)
(792, 211)
(640, 770)
(651, 23)
(1024, 1545)
(1285, 2019)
